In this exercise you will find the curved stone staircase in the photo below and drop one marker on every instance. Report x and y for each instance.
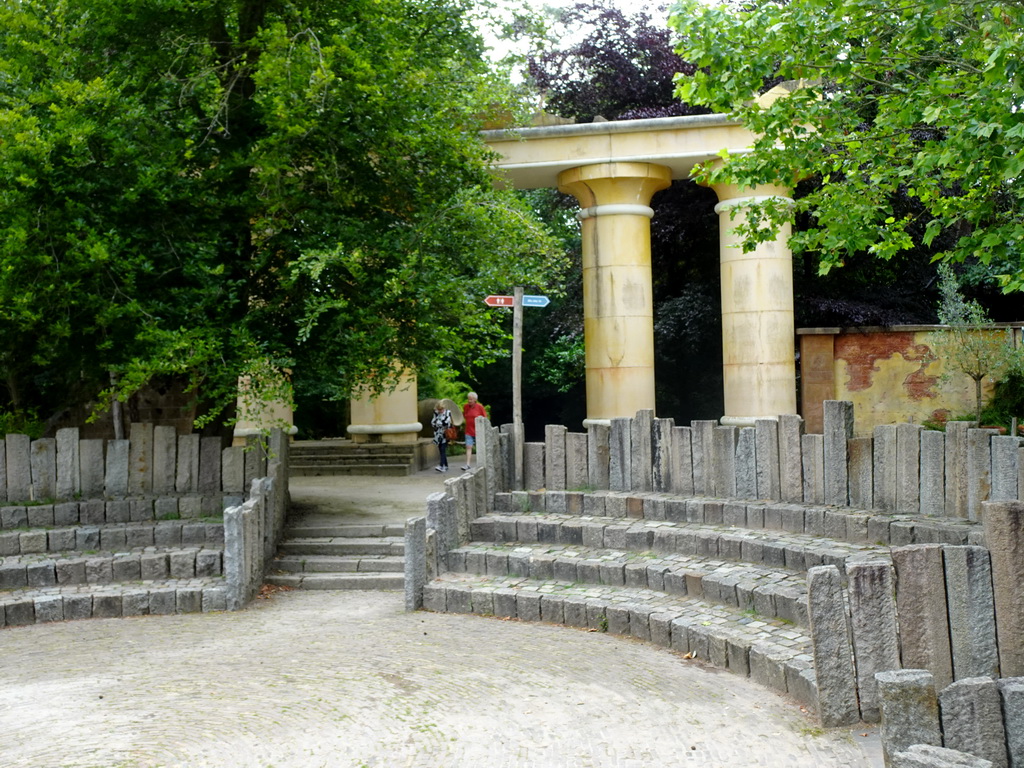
(339, 556)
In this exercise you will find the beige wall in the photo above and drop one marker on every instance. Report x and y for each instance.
(891, 375)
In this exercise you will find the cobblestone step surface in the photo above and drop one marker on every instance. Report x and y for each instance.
(773, 652)
(772, 592)
(383, 470)
(112, 537)
(19, 607)
(773, 548)
(108, 567)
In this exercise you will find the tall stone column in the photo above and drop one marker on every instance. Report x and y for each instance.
(618, 306)
(389, 417)
(758, 337)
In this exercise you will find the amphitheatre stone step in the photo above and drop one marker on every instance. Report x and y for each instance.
(369, 580)
(149, 564)
(815, 520)
(84, 601)
(772, 652)
(112, 536)
(776, 549)
(337, 564)
(342, 545)
(771, 592)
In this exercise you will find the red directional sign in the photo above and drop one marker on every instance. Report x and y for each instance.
(500, 301)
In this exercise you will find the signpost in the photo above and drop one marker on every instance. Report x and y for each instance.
(517, 302)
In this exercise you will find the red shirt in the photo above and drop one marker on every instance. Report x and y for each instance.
(470, 412)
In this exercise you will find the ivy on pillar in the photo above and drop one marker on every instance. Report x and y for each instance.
(618, 305)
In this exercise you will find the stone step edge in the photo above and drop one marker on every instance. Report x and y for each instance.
(839, 523)
(113, 601)
(348, 530)
(369, 580)
(100, 569)
(784, 667)
(797, 552)
(31, 558)
(109, 536)
(336, 564)
(784, 599)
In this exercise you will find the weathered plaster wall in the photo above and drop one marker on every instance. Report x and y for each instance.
(891, 375)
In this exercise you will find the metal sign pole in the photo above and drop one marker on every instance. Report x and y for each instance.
(517, 386)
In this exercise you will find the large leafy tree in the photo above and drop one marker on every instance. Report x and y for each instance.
(194, 188)
(919, 100)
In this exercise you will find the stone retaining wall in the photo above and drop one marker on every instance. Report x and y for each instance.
(154, 462)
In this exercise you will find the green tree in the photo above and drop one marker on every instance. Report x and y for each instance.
(195, 188)
(921, 98)
(972, 346)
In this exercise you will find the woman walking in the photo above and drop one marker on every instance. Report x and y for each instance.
(441, 422)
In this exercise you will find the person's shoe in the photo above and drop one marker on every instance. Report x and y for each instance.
(465, 467)
(440, 468)
(444, 469)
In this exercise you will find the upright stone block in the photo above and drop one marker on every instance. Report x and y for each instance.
(640, 462)
(876, 639)
(884, 449)
(861, 451)
(1012, 691)
(768, 460)
(972, 719)
(746, 463)
(910, 710)
(415, 562)
(554, 455)
(140, 459)
(933, 473)
(908, 468)
(116, 477)
(1004, 535)
(209, 465)
(255, 460)
(165, 459)
(577, 474)
(533, 465)
(703, 456)
(44, 468)
(186, 476)
(791, 467)
(1005, 452)
(838, 421)
(19, 467)
(598, 455)
(926, 756)
(971, 609)
(956, 468)
(833, 653)
(921, 605)
(723, 481)
(92, 467)
(979, 470)
(662, 455)
(69, 476)
(233, 469)
(812, 452)
(682, 461)
(620, 455)
(3, 474)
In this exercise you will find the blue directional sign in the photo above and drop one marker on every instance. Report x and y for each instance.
(536, 301)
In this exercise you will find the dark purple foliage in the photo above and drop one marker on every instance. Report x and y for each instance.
(622, 70)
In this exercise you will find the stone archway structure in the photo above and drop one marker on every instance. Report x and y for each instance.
(613, 169)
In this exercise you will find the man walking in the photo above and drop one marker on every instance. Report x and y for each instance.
(470, 411)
